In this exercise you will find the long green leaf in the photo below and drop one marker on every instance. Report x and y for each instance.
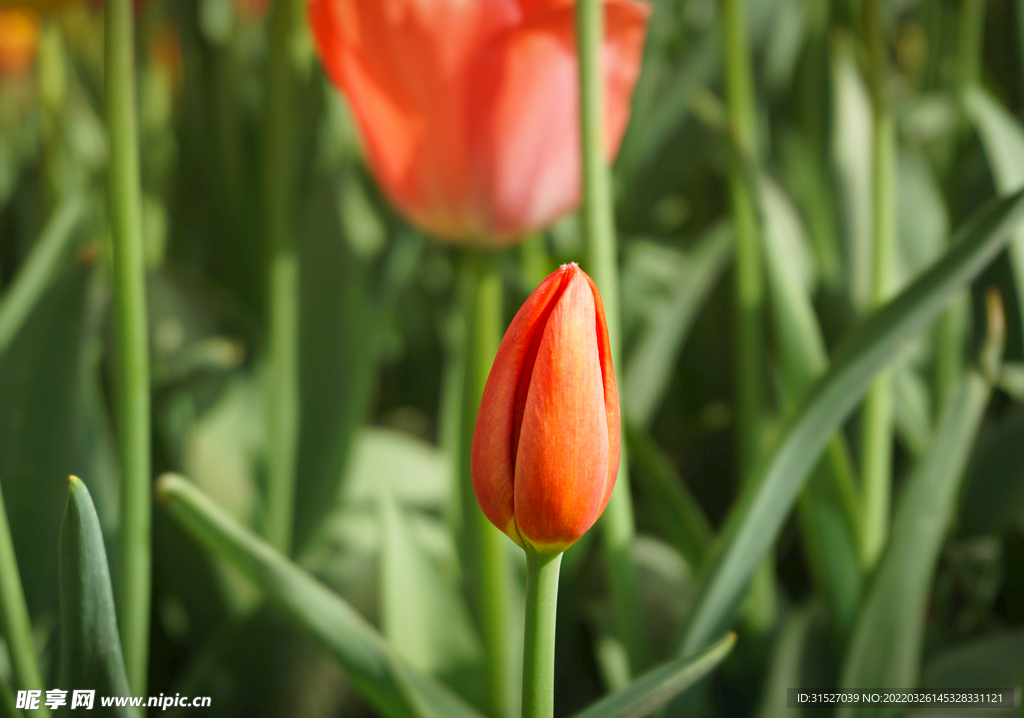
(650, 365)
(7, 706)
(786, 666)
(35, 275)
(885, 649)
(1002, 137)
(90, 647)
(758, 516)
(829, 508)
(14, 620)
(657, 687)
(389, 685)
(424, 616)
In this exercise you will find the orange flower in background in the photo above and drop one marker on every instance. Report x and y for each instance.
(470, 108)
(252, 10)
(19, 37)
(546, 445)
(165, 53)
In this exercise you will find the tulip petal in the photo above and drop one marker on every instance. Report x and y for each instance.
(611, 395)
(524, 111)
(491, 460)
(403, 65)
(561, 470)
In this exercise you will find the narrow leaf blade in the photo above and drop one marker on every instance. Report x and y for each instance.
(391, 687)
(90, 645)
(885, 648)
(649, 369)
(657, 687)
(761, 510)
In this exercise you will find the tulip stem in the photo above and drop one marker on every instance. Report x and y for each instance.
(617, 523)
(489, 544)
(131, 362)
(760, 609)
(876, 427)
(539, 636)
(283, 286)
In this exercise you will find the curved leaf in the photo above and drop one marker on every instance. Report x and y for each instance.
(652, 361)
(757, 517)
(885, 649)
(657, 687)
(389, 685)
(37, 271)
(90, 647)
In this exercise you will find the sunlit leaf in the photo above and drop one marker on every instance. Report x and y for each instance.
(657, 687)
(885, 648)
(423, 614)
(391, 686)
(758, 515)
(1003, 140)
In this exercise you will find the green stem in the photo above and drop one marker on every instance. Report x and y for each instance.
(14, 620)
(972, 34)
(283, 285)
(132, 340)
(749, 284)
(539, 636)
(760, 607)
(52, 85)
(876, 428)
(952, 325)
(599, 227)
(490, 554)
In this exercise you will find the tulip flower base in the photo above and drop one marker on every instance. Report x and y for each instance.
(539, 634)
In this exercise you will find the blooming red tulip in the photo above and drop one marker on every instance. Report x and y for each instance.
(469, 108)
(546, 444)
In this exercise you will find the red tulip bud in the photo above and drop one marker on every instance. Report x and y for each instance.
(546, 444)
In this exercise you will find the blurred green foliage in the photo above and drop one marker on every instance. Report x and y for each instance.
(376, 518)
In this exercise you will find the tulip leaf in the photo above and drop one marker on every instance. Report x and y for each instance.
(39, 268)
(658, 686)
(392, 687)
(885, 649)
(762, 508)
(1002, 138)
(7, 705)
(852, 137)
(828, 509)
(680, 516)
(650, 365)
(423, 614)
(787, 663)
(90, 645)
(38, 376)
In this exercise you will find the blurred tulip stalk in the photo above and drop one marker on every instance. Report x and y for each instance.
(546, 448)
(470, 113)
